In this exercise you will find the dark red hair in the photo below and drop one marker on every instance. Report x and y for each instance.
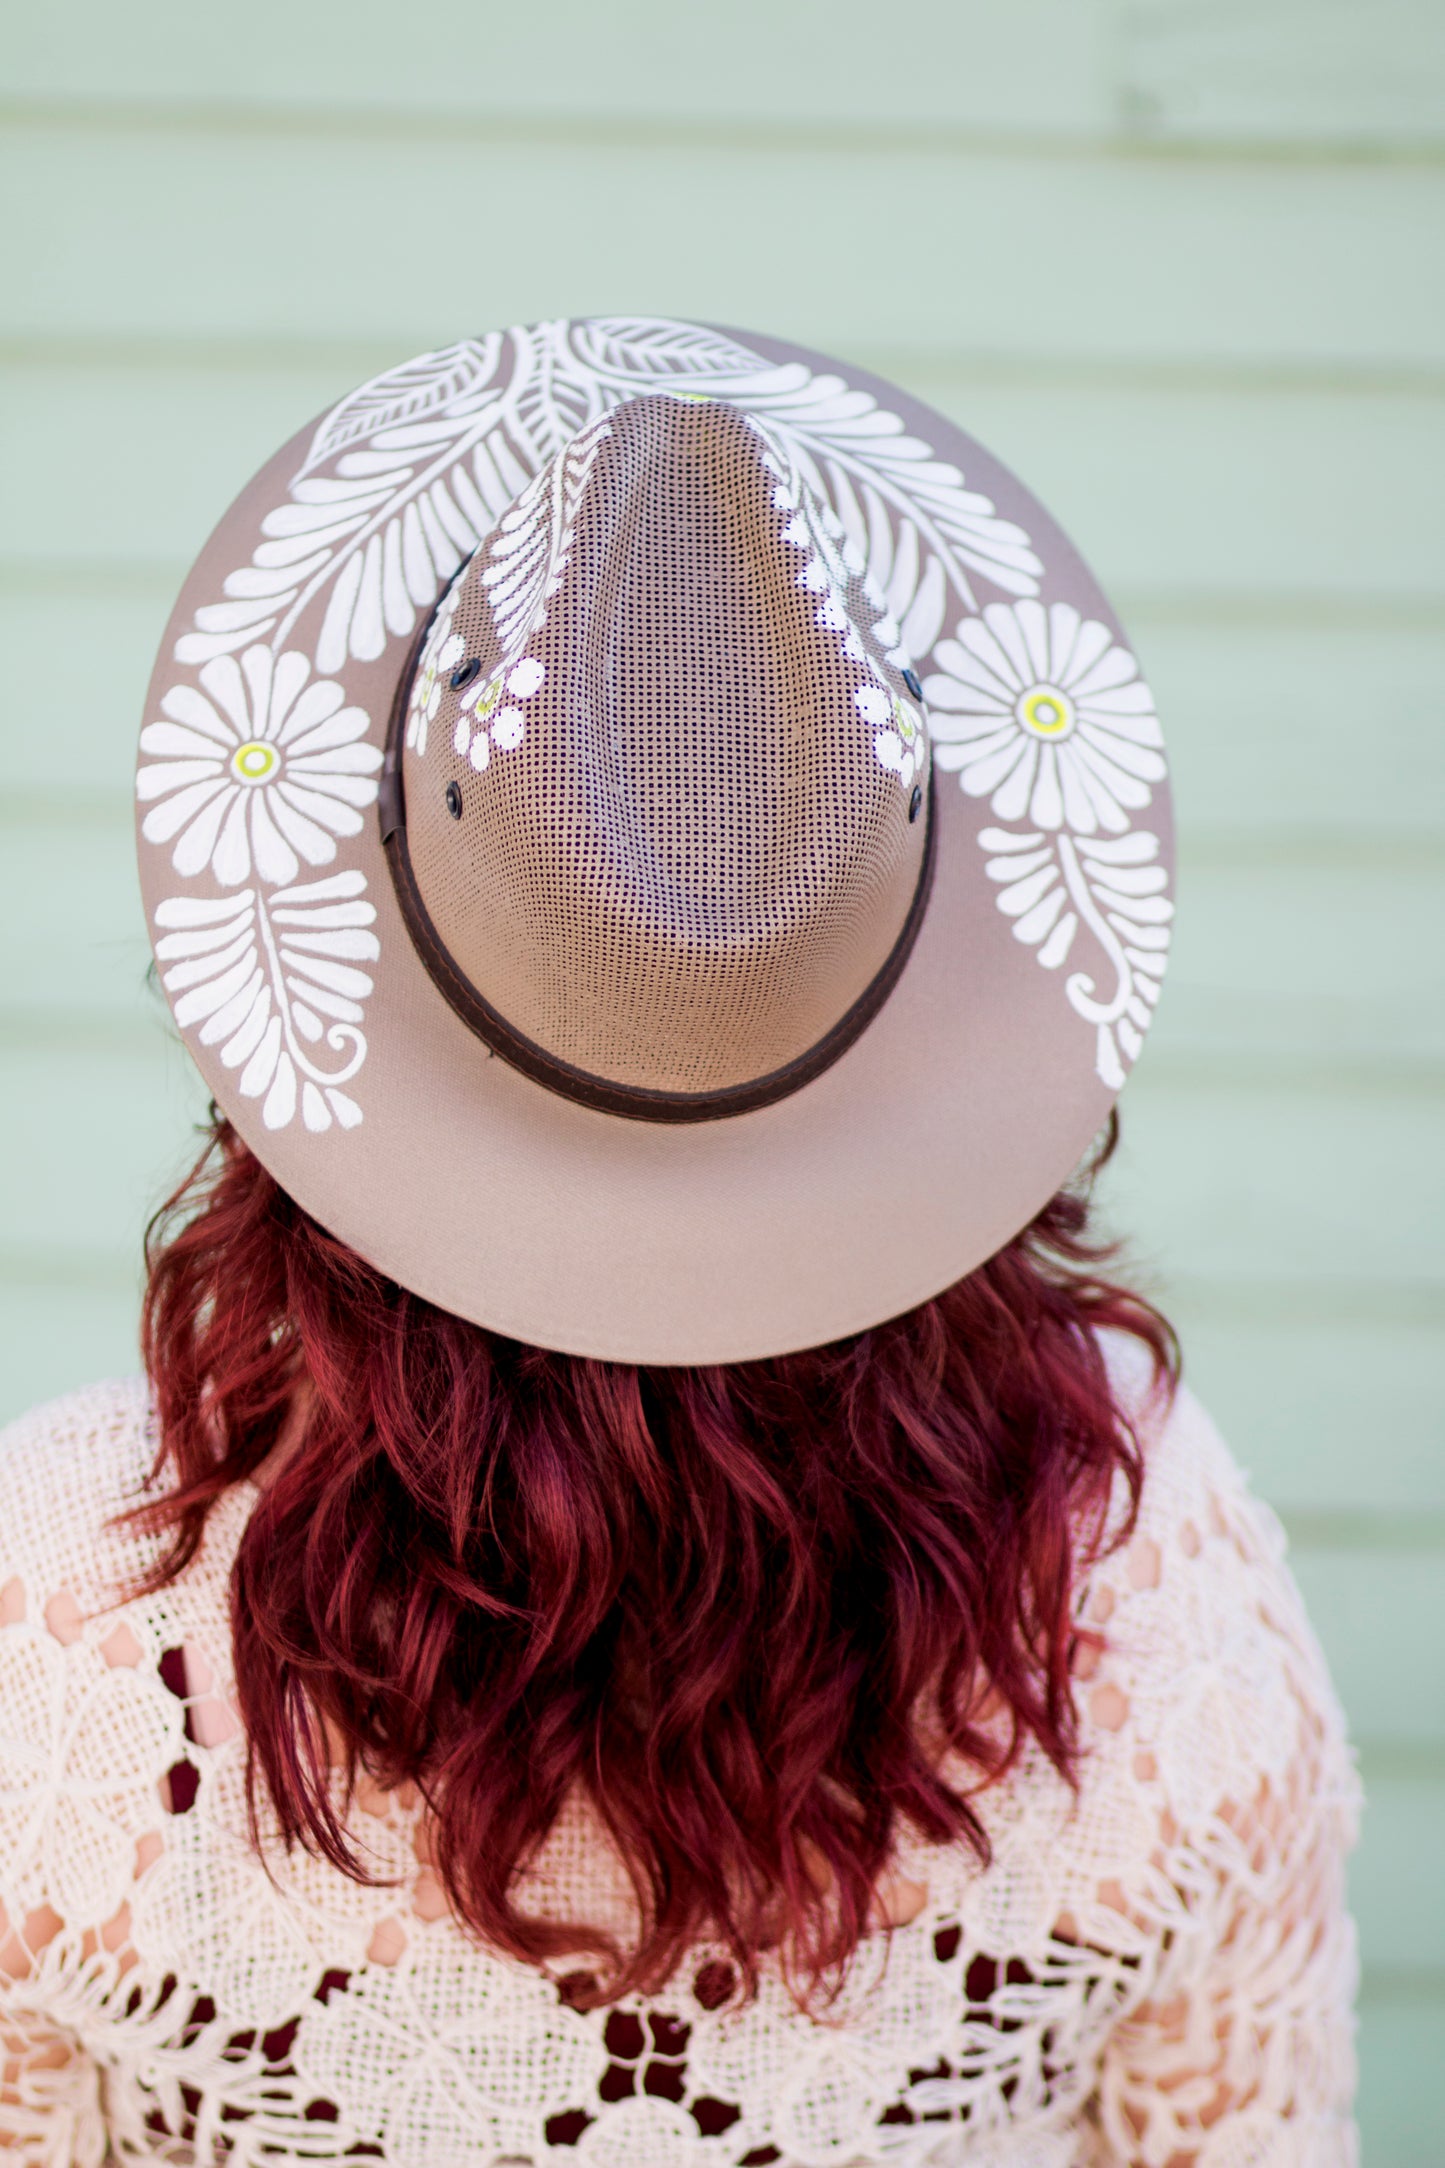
(740, 1609)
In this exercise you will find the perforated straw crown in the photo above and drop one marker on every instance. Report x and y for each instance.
(664, 834)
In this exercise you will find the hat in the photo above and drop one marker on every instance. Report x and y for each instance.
(654, 838)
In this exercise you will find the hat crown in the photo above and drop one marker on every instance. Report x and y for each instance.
(666, 805)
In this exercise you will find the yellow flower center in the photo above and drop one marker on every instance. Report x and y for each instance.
(1047, 712)
(255, 761)
(907, 719)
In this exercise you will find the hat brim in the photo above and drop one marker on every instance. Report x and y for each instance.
(936, 1137)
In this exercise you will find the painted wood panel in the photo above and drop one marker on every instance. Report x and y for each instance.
(279, 232)
(96, 1135)
(1312, 965)
(73, 946)
(1333, 707)
(1402, 2051)
(1288, 71)
(1309, 72)
(1332, 494)
(1401, 1911)
(1336, 1416)
(1380, 1614)
(1039, 68)
(1245, 1186)
(75, 752)
(58, 1332)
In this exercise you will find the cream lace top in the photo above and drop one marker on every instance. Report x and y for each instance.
(1158, 1971)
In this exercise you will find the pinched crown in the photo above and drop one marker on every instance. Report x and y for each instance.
(666, 806)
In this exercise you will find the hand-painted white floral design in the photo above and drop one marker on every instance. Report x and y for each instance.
(266, 976)
(901, 742)
(832, 559)
(1050, 884)
(483, 723)
(1044, 716)
(443, 651)
(529, 552)
(491, 441)
(406, 476)
(259, 770)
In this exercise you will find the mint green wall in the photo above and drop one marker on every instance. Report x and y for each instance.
(1177, 261)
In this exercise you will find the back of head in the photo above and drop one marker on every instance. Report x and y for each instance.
(754, 1617)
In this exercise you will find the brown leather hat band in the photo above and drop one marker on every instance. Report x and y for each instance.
(635, 1103)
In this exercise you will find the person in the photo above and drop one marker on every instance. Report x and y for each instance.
(661, 1600)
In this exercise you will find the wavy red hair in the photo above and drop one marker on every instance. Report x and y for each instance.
(740, 1608)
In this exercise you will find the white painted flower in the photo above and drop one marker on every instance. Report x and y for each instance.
(258, 769)
(900, 740)
(444, 649)
(484, 722)
(1044, 716)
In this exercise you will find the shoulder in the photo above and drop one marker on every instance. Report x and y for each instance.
(91, 1724)
(1190, 1471)
(1210, 1665)
(66, 1469)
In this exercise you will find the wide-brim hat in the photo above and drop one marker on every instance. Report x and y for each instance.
(631, 1012)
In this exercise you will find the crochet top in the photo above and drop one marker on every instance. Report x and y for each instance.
(1156, 1969)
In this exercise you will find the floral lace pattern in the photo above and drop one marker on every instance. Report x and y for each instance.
(1156, 1972)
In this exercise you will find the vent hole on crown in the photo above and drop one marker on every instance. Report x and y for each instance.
(465, 672)
(454, 801)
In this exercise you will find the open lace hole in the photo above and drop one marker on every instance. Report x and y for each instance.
(1145, 1563)
(1109, 1706)
(64, 1618)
